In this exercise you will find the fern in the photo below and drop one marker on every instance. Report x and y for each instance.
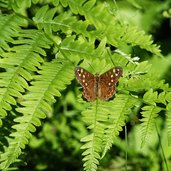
(14, 82)
(117, 117)
(53, 77)
(95, 117)
(44, 20)
(105, 119)
(150, 112)
(10, 26)
(26, 59)
(168, 109)
(76, 31)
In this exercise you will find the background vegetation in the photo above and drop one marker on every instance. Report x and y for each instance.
(44, 122)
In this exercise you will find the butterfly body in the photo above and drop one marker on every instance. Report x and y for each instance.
(95, 86)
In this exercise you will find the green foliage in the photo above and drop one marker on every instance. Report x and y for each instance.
(40, 44)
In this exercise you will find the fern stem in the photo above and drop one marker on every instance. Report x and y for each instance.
(126, 152)
(163, 154)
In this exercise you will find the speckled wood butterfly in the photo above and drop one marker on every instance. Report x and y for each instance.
(95, 86)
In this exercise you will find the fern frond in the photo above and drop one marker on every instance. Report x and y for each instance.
(18, 5)
(45, 20)
(118, 34)
(80, 7)
(135, 37)
(150, 97)
(78, 49)
(119, 109)
(162, 97)
(95, 118)
(105, 119)
(143, 79)
(115, 33)
(18, 63)
(70, 46)
(149, 113)
(9, 26)
(36, 104)
(168, 114)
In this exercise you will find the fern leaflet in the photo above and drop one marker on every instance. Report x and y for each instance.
(53, 78)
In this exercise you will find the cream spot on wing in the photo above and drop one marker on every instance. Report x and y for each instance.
(116, 74)
(111, 76)
(112, 80)
(86, 84)
(117, 70)
(113, 70)
(109, 84)
(79, 75)
(83, 81)
(81, 70)
(83, 76)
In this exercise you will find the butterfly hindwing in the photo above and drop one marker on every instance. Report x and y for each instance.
(107, 83)
(87, 80)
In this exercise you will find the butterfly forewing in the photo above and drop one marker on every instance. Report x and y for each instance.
(88, 82)
(107, 83)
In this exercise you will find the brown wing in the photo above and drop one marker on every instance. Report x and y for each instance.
(107, 83)
(87, 81)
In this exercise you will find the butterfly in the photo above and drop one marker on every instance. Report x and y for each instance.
(95, 86)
